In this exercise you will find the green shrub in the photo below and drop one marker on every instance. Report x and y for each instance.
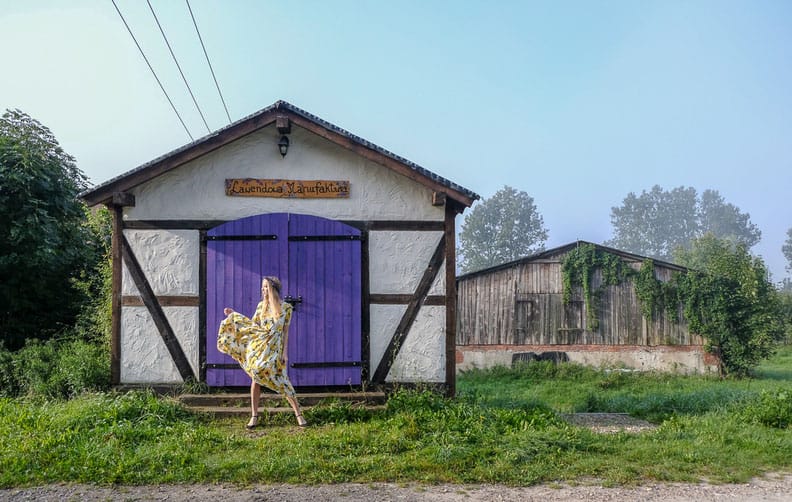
(54, 369)
(9, 385)
(772, 409)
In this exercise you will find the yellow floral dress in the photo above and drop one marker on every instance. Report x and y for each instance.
(257, 344)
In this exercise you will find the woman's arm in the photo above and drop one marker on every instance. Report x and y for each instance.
(285, 350)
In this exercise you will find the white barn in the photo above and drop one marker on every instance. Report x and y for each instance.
(363, 240)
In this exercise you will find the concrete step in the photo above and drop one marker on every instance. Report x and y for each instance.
(274, 401)
(244, 411)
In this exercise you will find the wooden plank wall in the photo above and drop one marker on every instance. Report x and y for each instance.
(523, 305)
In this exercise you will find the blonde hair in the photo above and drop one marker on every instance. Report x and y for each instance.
(273, 302)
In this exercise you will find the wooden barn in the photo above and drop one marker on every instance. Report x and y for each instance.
(516, 311)
(362, 239)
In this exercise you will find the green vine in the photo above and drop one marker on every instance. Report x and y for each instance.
(577, 269)
(654, 295)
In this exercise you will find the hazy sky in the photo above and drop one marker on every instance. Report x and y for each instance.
(575, 102)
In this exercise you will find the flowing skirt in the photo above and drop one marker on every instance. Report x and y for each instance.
(257, 349)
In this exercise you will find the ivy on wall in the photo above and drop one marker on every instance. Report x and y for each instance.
(580, 264)
(577, 269)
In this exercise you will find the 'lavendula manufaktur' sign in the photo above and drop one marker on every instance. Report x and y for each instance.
(300, 189)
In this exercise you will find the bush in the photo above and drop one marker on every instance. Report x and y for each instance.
(54, 369)
(772, 409)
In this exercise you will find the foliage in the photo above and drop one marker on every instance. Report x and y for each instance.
(656, 295)
(44, 243)
(658, 222)
(773, 409)
(503, 228)
(787, 250)
(785, 306)
(578, 268)
(729, 300)
(93, 322)
(506, 427)
(54, 369)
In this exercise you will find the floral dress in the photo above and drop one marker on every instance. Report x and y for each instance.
(257, 345)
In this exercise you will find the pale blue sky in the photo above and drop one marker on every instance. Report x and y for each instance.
(575, 102)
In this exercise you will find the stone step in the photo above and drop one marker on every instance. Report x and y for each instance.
(243, 411)
(275, 401)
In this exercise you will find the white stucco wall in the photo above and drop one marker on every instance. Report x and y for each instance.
(398, 260)
(169, 259)
(144, 357)
(422, 357)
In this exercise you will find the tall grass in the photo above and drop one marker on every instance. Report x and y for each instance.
(506, 427)
(54, 369)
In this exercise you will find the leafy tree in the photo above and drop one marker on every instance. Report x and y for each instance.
(729, 299)
(44, 241)
(658, 222)
(787, 250)
(505, 227)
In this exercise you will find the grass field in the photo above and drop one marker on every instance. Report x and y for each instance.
(505, 427)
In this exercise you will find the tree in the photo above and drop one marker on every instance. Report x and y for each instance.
(44, 242)
(787, 250)
(503, 228)
(658, 222)
(729, 299)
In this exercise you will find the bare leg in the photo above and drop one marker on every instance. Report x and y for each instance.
(255, 395)
(297, 411)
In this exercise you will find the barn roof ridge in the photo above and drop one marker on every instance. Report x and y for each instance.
(566, 247)
(103, 191)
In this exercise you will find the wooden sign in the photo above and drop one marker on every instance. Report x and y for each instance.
(297, 189)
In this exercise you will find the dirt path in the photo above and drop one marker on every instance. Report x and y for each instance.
(775, 488)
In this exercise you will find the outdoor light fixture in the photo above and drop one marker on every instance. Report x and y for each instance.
(283, 145)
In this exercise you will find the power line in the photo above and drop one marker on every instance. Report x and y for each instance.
(178, 66)
(208, 62)
(152, 71)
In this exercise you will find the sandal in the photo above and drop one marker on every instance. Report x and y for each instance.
(301, 422)
(253, 423)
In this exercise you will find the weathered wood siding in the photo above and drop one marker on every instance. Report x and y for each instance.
(523, 305)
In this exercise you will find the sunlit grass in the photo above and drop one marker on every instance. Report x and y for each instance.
(505, 427)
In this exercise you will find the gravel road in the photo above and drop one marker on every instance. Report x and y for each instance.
(774, 488)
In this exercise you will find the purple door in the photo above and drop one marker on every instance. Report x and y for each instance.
(319, 264)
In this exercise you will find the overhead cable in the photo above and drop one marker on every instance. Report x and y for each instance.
(179, 67)
(208, 62)
(152, 71)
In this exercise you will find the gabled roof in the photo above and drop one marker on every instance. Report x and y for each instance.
(565, 249)
(103, 193)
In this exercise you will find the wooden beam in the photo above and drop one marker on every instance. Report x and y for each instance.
(282, 124)
(390, 299)
(115, 326)
(165, 301)
(123, 199)
(451, 300)
(202, 328)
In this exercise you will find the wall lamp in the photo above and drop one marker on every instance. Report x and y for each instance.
(283, 145)
(283, 124)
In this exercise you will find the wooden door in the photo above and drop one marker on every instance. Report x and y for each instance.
(319, 264)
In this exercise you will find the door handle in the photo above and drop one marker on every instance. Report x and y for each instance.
(293, 300)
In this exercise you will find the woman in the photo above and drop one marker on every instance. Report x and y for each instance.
(259, 345)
